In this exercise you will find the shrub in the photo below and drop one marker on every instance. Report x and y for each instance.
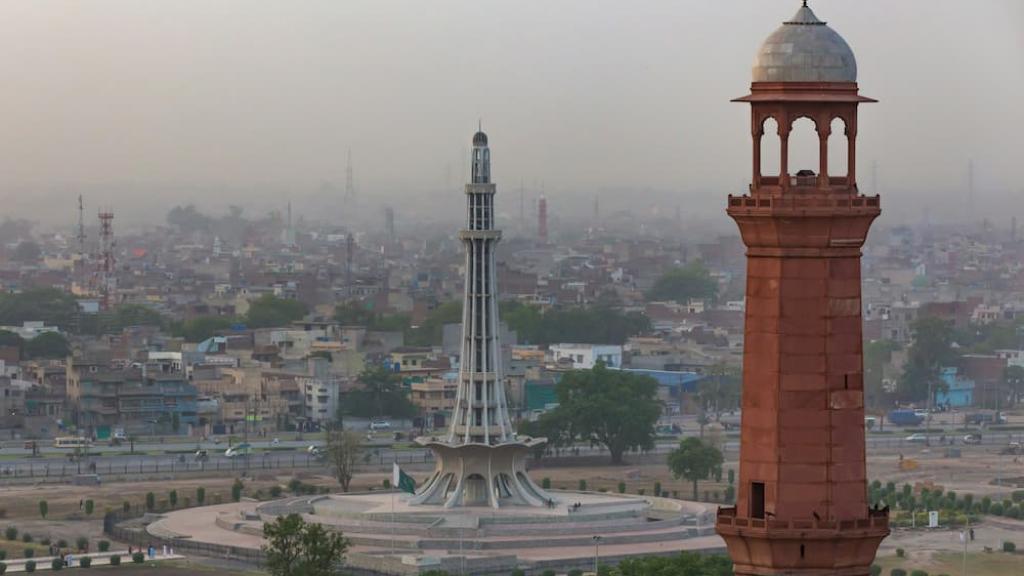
(126, 507)
(517, 572)
(85, 562)
(986, 503)
(236, 490)
(115, 560)
(876, 570)
(582, 485)
(548, 573)
(3, 555)
(295, 485)
(62, 543)
(545, 483)
(918, 573)
(275, 491)
(1013, 512)
(901, 553)
(138, 557)
(172, 497)
(57, 564)
(26, 538)
(1009, 546)
(3, 567)
(731, 475)
(200, 495)
(150, 501)
(30, 566)
(103, 545)
(44, 508)
(575, 572)
(622, 487)
(82, 543)
(641, 491)
(657, 488)
(89, 507)
(45, 540)
(1017, 495)
(897, 572)
(996, 509)
(730, 493)
(11, 533)
(29, 552)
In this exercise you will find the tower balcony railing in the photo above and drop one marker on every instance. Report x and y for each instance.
(877, 519)
(797, 201)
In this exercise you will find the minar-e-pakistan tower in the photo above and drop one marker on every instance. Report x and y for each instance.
(801, 507)
(481, 461)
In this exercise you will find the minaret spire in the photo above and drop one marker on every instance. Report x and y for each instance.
(480, 460)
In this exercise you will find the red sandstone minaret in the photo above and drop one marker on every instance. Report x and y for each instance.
(802, 496)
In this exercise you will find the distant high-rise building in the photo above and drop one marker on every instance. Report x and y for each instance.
(542, 219)
(801, 501)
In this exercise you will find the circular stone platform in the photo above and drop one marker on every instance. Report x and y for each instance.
(390, 536)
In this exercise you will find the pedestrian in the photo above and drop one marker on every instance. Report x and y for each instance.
(972, 534)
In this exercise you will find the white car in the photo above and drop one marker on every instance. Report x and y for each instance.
(380, 425)
(917, 438)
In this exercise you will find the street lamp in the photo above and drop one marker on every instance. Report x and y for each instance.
(597, 552)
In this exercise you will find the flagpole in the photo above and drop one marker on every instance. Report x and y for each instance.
(394, 487)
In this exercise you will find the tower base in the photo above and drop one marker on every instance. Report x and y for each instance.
(481, 475)
(766, 547)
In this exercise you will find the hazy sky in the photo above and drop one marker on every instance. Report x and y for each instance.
(147, 103)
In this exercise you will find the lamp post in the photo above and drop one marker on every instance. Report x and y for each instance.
(597, 552)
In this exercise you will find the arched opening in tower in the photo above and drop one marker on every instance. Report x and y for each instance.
(803, 147)
(771, 148)
(837, 150)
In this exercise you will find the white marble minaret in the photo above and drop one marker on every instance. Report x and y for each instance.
(481, 461)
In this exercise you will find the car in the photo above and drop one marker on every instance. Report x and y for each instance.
(243, 449)
(275, 442)
(1013, 449)
(917, 438)
(202, 456)
(972, 439)
(380, 425)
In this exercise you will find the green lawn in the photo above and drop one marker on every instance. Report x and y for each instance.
(978, 564)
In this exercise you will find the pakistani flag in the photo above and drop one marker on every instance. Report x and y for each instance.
(401, 480)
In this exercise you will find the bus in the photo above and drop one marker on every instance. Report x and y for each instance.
(71, 442)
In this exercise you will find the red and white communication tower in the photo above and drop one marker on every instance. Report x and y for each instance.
(108, 280)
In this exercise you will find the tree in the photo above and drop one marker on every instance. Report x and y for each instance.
(343, 449)
(48, 345)
(431, 332)
(202, 327)
(685, 564)
(932, 349)
(694, 460)
(298, 548)
(720, 391)
(612, 408)
(27, 252)
(127, 315)
(594, 325)
(381, 394)
(269, 311)
(685, 283)
(51, 306)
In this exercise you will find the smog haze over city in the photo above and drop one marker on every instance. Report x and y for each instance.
(146, 105)
(512, 287)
